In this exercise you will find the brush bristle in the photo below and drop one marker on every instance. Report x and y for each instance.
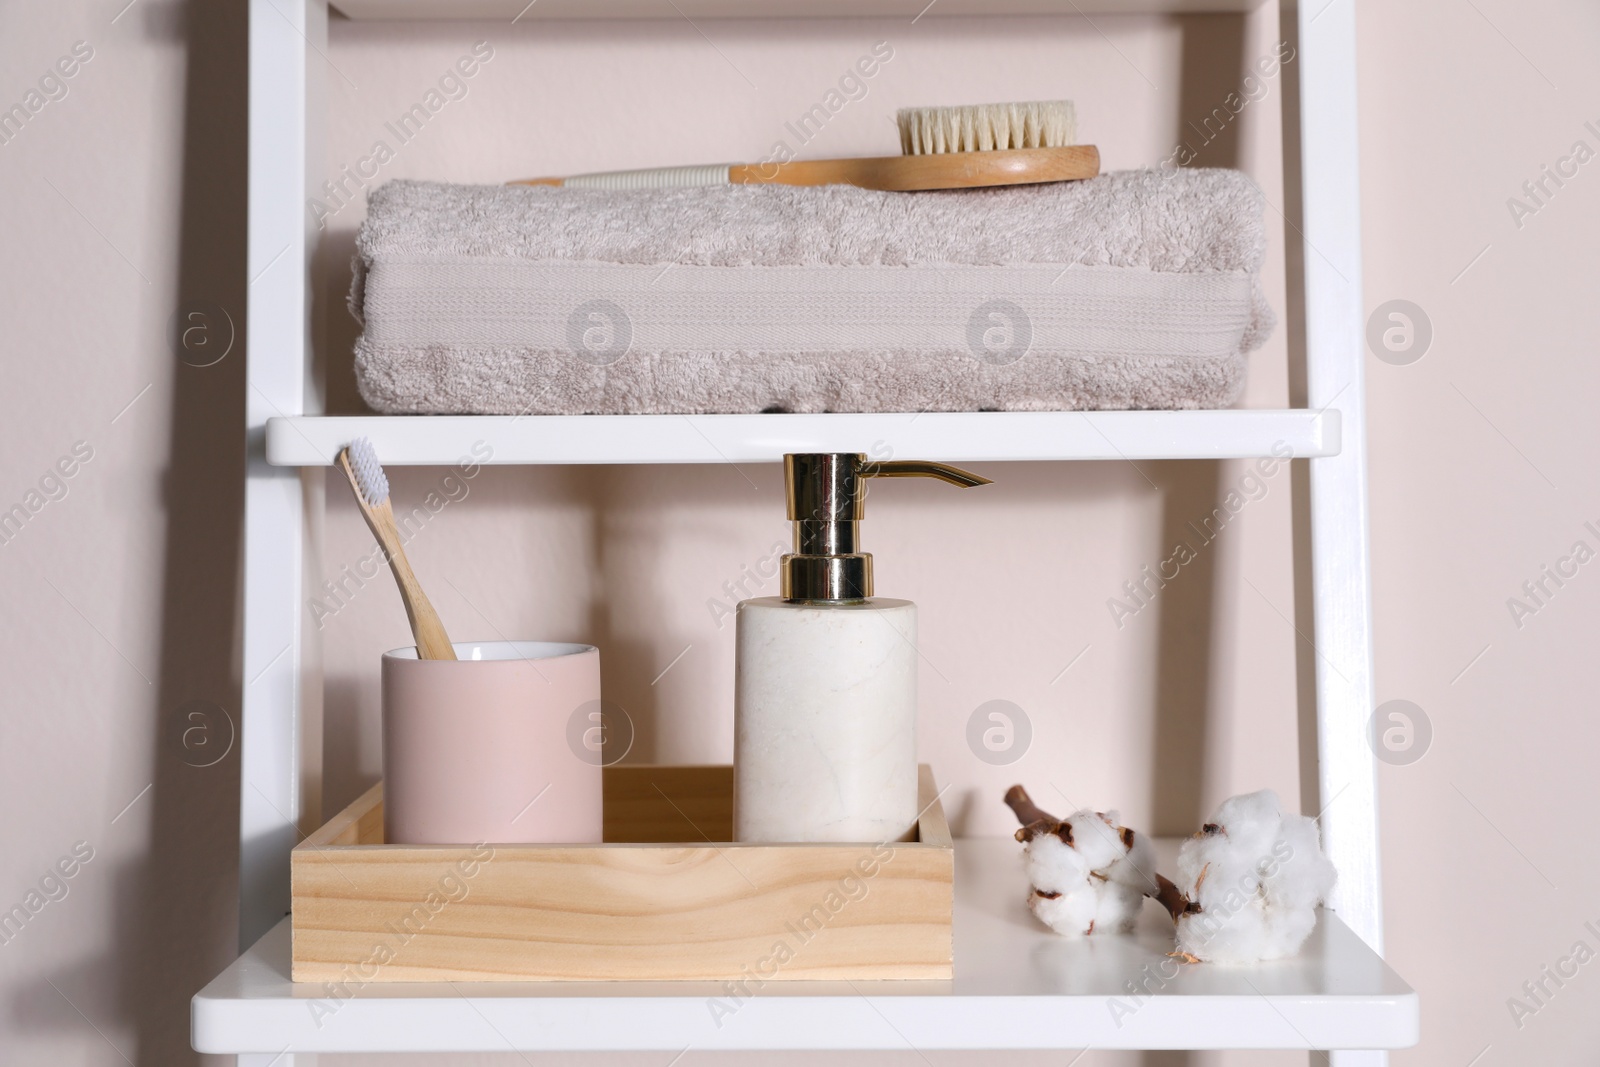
(371, 482)
(987, 127)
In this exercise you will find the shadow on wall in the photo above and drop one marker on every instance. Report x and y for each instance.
(1212, 63)
(336, 337)
(1294, 317)
(1213, 55)
(176, 923)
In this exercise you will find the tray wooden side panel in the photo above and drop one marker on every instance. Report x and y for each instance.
(361, 823)
(374, 912)
(932, 829)
(643, 803)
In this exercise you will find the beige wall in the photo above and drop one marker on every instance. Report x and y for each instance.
(126, 198)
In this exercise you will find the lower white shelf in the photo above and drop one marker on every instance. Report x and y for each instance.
(952, 437)
(517, 10)
(1017, 986)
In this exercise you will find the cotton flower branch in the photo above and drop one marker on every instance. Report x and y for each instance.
(1088, 873)
(1249, 882)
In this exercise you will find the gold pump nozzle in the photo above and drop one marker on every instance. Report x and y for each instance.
(922, 468)
(826, 501)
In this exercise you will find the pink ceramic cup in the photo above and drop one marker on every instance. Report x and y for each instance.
(476, 750)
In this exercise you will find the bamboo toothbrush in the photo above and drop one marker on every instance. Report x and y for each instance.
(360, 464)
(941, 148)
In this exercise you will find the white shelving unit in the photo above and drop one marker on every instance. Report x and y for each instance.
(505, 10)
(994, 436)
(1016, 986)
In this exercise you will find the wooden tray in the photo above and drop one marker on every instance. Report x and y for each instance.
(644, 905)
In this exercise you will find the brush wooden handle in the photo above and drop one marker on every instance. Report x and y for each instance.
(945, 170)
(895, 174)
(432, 641)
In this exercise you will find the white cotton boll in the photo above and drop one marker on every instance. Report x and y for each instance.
(1062, 896)
(1096, 837)
(1251, 819)
(1094, 885)
(1113, 850)
(1302, 884)
(1073, 913)
(1136, 868)
(1256, 877)
(1052, 865)
(1119, 908)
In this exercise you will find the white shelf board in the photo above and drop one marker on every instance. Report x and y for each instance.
(519, 10)
(439, 440)
(1017, 986)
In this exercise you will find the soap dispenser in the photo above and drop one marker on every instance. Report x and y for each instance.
(825, 701)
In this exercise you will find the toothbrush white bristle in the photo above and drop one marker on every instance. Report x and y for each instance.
(371, 482)
(987, 127)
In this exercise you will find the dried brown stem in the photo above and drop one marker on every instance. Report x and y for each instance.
(1041, 827)
(1026, 811)
(1169, 896)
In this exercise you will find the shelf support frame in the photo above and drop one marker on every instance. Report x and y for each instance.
(286, 40)
(1341, 569)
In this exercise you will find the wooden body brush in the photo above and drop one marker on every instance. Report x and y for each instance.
(360, 464)
(941, 148)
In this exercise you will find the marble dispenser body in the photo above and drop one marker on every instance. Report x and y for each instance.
(825, 695)
(825, 737)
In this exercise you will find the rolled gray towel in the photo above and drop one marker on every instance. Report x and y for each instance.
(1136, 289)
